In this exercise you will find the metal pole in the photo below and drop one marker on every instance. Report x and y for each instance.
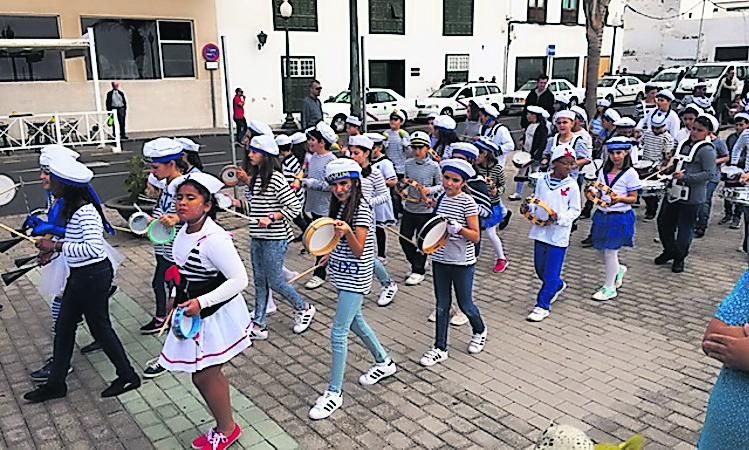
(699, 34)
(213, 99)
(613, 54)
(364, 87)
(288, 123)
(228, 100)
(354, 58)
(97, 89)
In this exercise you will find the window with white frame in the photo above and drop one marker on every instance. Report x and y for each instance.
(456, 68)
(299, 67)
(30, 65)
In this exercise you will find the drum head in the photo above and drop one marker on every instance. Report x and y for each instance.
(158, 233)
(521, 159)
(223, 200)
(643, 164)
(432, 235)
(6, 184)
(229, 176)
(138, 223)
(320, 238)
(536, 175)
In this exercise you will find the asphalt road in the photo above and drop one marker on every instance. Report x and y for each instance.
(111, 169)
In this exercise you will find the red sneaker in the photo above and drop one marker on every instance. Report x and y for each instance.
(203, 440)
(501, 266)
(219, 441)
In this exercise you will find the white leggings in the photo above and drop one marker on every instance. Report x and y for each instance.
(611, 265)
(496, 242)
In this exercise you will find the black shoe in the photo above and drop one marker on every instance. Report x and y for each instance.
(42, 374)
(663, 259)
(120, 386)
(699, 233)
(648, 217)
(505, 220)
(92, 347)
(153, 369)
(574, 227)
(1, 306)
(736, 223)
(152, 327)
(725, 220)
(585, 214)
(112, 290)
(44, 393)
(677, 266)
(587, 242)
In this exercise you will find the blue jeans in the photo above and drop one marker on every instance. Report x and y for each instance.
(446, 277)
(381, 273)
(704, 215)
(348, 316)
(548, 260)
(267, 271)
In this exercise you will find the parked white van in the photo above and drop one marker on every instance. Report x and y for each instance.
(712, 73)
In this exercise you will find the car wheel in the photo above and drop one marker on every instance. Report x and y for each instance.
(639, 98)
(610, 98)
(573, 101)
(339, 123)
(446, 112)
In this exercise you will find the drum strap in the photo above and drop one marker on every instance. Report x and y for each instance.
(616, 178)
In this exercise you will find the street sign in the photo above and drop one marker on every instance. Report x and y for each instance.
(211, 52)
(551, 50)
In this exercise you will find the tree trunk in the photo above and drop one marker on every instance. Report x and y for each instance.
(595, 21)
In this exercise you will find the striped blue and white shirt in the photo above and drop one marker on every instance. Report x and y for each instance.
(347, 272)
(84, 237)
(459, 250)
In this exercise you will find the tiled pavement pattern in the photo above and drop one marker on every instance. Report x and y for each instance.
(632, 365)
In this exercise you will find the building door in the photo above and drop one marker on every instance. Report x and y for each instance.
(603, 69)
(388, 74)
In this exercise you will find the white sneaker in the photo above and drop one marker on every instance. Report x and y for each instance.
(604, 294)
(387, 294)
(620, 276)
(478, 341)
(432, 317)
(258, 334)
(559, 292)
(514, 196)
(383, 260)
(414, 279)
(458, 319)
(538, 314)
(314, 283)
(289, 274)
(377, 372)
(303, 319)
(326, 405)
(433, 357)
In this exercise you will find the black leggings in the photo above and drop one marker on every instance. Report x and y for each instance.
(381, 241)
(159, 284)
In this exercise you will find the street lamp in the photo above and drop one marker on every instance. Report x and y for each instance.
(286, 10)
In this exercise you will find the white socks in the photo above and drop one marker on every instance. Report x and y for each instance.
(611, 267)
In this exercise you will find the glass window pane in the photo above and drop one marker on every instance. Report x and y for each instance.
(494, 89)
(481, 90)
(566, 69)
(28, 65)
(178, 60)
(387, 16)
(126, 49)
(457, 17)
(303, 16)
(529, 69)
(175, 31)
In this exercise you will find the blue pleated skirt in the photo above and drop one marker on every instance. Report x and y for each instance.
(613, 231)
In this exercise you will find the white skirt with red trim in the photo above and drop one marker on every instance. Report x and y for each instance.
(223, 335)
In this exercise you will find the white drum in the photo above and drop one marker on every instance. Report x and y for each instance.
(738, 195)
(590, 171)
(730, 173)
(7, 189)
(653, 187)
(138, 223)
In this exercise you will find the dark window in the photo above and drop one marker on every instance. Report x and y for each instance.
(528, 68)
(387, 17)
(566, 69)
(371, 98)
(176, 49)
(303, 16)
(456, 68)
(465, 93)
(30, 65)
(569, 11)
(537, 11)
(384, 97)
(302, 70)
(740, 53)
(457, 17)
(481, 90)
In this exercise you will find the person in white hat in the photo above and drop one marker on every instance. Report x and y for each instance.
(495, 130)
(565, 121)
(657, 146)
(580, 127)
(353, 126)
(648, 104)
(596, 125)
(396, 146)
(213, 277)
(488, 167)
(431, 130)
(559, 190)
(454, 265)
(691, 168)
(88, 286)
(351, 267)
(384, 214)
(722, 156)
(663, 100)
(445, 127)
(626, 127)
(191, 154)
(738, 145)
(534, 143)
(292, 170)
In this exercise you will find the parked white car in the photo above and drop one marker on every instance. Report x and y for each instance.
(711, 74)
(561, 88)
(621, 89)
(452, 99)
(667, 78)
(380, 103)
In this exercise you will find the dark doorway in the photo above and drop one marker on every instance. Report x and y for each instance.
(388, 74)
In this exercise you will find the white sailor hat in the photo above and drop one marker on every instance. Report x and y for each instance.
(667, 94)
(257, 127)
(564, 114)
(208, 181)
(580, 112)
(701, 84)
(535, 109)
(546, 114)
(465, 149)
(619, 143)
(693, 108)
(325, 131)
(561, 101)
(485, 144)
(612, 115)
(282, 139)
(432, 116)
(603, 103)
(342, 168)
(360, 141)
(702, 102)
(489, 110)
(561, 151)
(188, 144)
(50, 152)
(399, 114)
(71, 172)
(741, 116)
(714, 125)
(162, 150)
(658, 119)
(353, 120)
(445, 122)
(376, 138)
(625, 122)
(420, 138)
(264, 144)
(458, 166)
(298, 138)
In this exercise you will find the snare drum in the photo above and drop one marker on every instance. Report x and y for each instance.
(521, 159)
(160, 234)
(652, 187)
(730, 173)
(185, 327)
(537, 219)
(433, 235)
(644, 168)
(7, 189)
(738, 195)
(139, 222)
(229, 175)
(320, 237)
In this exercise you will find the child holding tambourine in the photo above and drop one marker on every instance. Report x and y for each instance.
(562, 194)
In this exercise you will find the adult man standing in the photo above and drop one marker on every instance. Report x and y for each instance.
(540, 97)
(239, 119)
(116, 100)
(312, 108)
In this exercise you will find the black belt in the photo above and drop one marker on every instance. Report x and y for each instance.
(613, 212)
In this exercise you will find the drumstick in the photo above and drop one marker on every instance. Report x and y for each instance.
(165, 325)
(16, 233)
(123, 229)
(137, 207)
(15, 186)
(230, 211)
(654, 174)
(143, 198)
(305, 273)
(386, 228)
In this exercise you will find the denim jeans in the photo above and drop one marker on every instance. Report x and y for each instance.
(348, 316)
(267, 271)
(548, 260)
(446, 277)
(704, 215)
(381, 273)
(676, 227)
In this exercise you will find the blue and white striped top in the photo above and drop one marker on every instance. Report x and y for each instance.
(84, 238)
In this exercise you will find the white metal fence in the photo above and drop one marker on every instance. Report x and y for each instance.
(32, 131)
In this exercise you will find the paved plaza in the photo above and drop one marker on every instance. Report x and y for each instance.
(632, 365)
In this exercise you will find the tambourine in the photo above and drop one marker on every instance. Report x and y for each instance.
(404, 187)
(139, 222)
(433, 235)
(727, 173)
(160, 234)
(595, 193)
(320, 237)
(521, 159)
(185, 327)
(525, 210)
(229, 175)
(7, 189)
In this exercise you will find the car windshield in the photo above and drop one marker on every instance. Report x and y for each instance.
(705, 72)
(666, 76)
(445, 92)
(529, 85)
(343, 97)
(606, 82)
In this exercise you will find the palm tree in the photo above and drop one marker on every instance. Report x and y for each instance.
(596, 12)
